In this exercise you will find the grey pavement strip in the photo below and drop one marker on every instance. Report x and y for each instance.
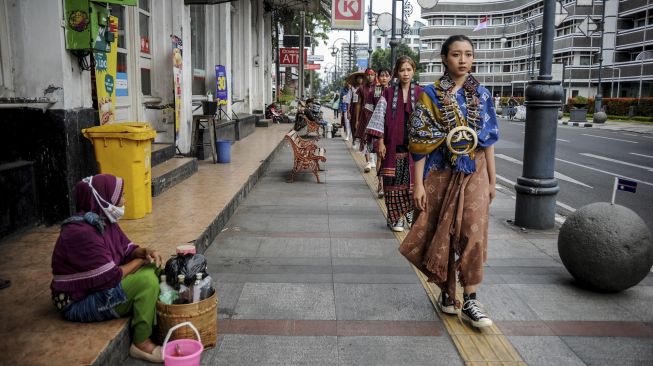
(545, 351)
(393, 351)
(308, 301)
(612, 350)
(382, 302)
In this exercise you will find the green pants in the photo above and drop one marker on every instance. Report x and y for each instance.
(142, 289)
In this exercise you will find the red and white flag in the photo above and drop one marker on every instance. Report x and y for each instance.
(482, 24)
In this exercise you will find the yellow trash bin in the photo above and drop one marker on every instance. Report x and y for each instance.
(125, 150)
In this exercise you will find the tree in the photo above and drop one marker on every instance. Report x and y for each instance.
(316, 26)
(382, 58)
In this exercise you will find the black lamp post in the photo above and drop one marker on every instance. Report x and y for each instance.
(537, 188)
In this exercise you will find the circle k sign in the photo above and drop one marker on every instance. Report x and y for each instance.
(347, 14)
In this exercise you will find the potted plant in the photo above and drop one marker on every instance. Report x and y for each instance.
(579, 112)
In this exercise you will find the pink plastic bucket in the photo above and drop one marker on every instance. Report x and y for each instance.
(182, 352)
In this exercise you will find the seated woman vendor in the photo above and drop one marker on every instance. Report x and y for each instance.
(99, 274)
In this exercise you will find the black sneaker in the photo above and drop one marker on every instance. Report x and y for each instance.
(473, 313)
(446, 305)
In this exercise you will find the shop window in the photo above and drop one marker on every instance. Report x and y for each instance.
(122, 58)
(197, 34)
(145, 60)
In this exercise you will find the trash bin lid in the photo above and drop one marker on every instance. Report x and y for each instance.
(123, 130)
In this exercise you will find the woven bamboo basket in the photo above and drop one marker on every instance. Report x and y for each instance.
(203, 315)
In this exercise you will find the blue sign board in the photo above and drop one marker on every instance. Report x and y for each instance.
(121, 84)
(221, 93)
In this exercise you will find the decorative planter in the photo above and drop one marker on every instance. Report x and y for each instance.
(578, 115)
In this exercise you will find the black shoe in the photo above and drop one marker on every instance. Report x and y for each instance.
(473, 313)
(446, 305)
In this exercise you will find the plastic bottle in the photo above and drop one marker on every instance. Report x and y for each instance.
(167, 294)
(209, 96)
(206, 287)
(185, 296)
(197, 288)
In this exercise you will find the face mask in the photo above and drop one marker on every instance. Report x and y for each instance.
(112, 212)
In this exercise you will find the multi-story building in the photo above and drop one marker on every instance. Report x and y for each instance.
(381, 39)
(358, 52)
(507, 52)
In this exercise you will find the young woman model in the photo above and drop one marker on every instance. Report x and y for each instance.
(389, 123)
(383, 81)
(99, 274)
(363, 110)
(452, 136)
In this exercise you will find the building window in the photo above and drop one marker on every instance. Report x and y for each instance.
(145, 60)
(448, 21)
(121, 66)
(197, 34)
(461, 21)
(585, 60)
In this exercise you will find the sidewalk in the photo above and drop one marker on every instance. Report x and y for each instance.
(629, 126)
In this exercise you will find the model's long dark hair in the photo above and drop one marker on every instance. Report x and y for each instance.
(444, 51)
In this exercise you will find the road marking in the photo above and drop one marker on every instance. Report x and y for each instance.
(650, 169)
(555, 174)
(604, 172)
(638, 135)
(646, 156)
(610, 138)
(562, 140)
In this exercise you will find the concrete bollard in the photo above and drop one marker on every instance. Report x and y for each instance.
(600, 117)
(605, 246)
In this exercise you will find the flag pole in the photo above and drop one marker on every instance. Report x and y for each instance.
(614, 190)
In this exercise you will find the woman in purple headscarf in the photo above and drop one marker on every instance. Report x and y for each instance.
(99, 274)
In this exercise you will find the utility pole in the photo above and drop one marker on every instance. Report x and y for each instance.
(599, 92)
(300, 72)
(393, 41)
(537, 188)
(369, 49)
(351, 62)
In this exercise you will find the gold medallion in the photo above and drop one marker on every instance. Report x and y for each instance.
(462, 133)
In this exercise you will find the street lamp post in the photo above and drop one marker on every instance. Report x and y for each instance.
(537, 187)
(334, 50)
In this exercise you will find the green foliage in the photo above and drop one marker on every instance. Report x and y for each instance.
(382, 58)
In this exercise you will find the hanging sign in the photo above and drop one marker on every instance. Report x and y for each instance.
(347, 14)
(105, 74)
(289, 57)
(177, 66)
(221, 92)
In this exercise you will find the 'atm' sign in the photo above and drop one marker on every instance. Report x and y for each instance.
(347, 14)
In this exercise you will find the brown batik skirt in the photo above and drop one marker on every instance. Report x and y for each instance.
(451, 234)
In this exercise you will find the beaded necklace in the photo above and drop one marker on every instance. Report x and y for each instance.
(449, 103)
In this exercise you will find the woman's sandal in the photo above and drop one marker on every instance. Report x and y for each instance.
(154, 357)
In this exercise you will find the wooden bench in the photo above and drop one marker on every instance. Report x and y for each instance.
(307, 155)
(313, 127)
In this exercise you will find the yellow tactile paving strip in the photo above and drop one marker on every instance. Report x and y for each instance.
(477, 347)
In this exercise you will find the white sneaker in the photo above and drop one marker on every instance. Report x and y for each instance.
(368, 167)
(397, 229)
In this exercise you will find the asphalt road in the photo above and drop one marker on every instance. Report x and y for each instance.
(587, 160)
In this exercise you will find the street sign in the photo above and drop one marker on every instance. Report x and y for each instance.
(561, 14)
(311, 66)
(289, 57)
(347, 14)
(315, 58)
(293, 41)
(587, 26)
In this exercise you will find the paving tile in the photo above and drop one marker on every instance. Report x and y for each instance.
(392, 351)
(514, 249)
(382, 302)
(238, 246)
(545, 351)
(612, 351)
(364, 248)
(502, 303)
(294, 247)
(286, 301)
(245, 350)
(551, 302)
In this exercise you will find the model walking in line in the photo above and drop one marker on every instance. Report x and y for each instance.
(383, 80)
(363, 110)
(453, 130)
(345, 94)
(389, 123)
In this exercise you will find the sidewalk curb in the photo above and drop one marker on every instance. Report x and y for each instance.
(577, 124)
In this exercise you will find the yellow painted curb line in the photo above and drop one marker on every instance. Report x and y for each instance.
(477, 347)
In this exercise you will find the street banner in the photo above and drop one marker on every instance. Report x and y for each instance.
(347, 14)
(177, 66)
(105, 74)
(482, 24)
(221, 92)
(289, 57)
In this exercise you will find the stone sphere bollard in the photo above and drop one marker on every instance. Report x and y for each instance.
(560, 114)
(608, 247)
(600, 117)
